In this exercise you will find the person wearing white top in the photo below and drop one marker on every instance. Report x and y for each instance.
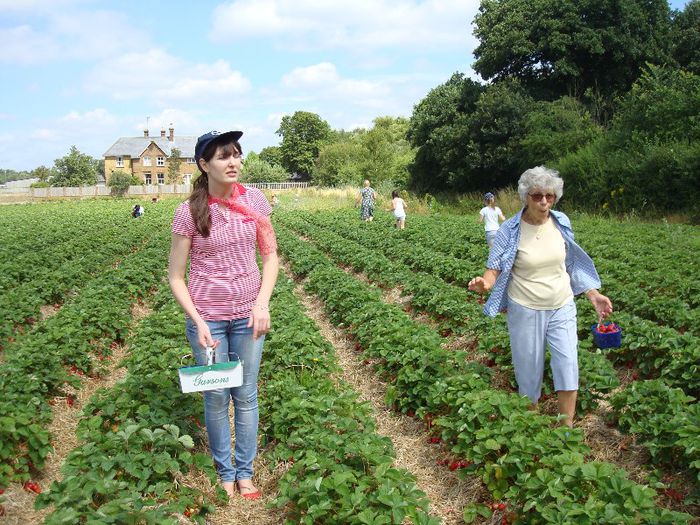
(490, 214)
(398, 205)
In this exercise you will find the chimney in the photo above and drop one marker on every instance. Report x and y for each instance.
(145, 133)
(171, 135)
(162, 132)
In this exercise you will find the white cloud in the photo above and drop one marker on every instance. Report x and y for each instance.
(163, 77)
(361, 24)
(87, 35)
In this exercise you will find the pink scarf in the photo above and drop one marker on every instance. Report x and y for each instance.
(265, 235)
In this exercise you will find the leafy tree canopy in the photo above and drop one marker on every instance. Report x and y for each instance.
(272, 155)
(174, 162)
(303, 134)
(75, 169)
(571, 47)
(255, 169)
(685, 37)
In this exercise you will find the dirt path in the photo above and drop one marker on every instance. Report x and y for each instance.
(447, 492)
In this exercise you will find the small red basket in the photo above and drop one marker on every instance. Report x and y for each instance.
(609, 337)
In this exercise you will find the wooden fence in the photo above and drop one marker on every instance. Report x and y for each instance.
(158, 190)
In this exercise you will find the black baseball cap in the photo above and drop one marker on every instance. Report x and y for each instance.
(208, 138)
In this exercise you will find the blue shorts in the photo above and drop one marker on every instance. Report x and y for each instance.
(530, 331)
(490, 237)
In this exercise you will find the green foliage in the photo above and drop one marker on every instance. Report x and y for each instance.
(339, 163)
(9, 175)
(75, 169)
(120, 182)
(272, 155)
(255, 169)
(650, 158)
(380, 154)
(42, 173)
(569, 47)
(555, 129)
(302, 134)
(174, 162)
(685, 37)
(439, 128)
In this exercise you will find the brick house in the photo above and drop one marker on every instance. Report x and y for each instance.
(146, 158)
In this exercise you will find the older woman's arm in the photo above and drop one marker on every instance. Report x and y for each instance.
(601, 303)
(484, 283)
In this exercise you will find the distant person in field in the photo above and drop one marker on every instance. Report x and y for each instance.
(398, 206)
(275, 201)
(226, 300)
(137, 211)
(490, 215)
(366, 199)
(534, 271)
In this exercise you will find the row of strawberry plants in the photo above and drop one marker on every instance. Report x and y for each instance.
(340, 471)
(450, 304)
(136, 438)
(37, 366)
(540, 470)
(136, 441)
(59, 268)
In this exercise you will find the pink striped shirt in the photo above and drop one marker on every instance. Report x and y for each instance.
(224, 278)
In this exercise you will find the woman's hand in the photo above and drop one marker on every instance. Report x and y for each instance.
(479, 285)
(484, 283)
(204, 337)
(260, 320)
(601, 303)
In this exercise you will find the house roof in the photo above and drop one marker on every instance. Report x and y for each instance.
(134, 146)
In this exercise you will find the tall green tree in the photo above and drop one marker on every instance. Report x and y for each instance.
(439, 129)
(174, 163)
(555, 129)
(387, 152)
(303, 134)
(593, 48)
(42, 173)
(75, 169)
(256, 169)
(685, 37)
(340, 163)
(272, 155)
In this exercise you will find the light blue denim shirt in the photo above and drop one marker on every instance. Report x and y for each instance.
(579, 265)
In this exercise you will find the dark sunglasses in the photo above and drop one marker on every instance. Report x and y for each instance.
(537, 197)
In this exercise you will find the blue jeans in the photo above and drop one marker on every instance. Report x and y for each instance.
(236, 339)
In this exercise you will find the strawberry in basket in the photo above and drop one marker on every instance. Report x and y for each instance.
(607, 335)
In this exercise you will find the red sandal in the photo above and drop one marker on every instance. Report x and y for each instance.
(248, 495)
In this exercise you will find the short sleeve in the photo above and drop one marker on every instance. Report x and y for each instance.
(259, 202)
(183, 223)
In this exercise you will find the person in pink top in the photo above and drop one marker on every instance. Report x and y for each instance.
(226, 298)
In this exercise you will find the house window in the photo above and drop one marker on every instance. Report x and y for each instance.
(120, 162)
(148, 178)
(161, 178)
(161, 161)
(187, 178)
(190, 160)
(147, 161)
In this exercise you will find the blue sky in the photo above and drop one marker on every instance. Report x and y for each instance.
(85, 72)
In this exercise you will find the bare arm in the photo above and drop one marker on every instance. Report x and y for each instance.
(260, 318)
(502, 217)
(484, 283)
(177, 264)
(481, 218)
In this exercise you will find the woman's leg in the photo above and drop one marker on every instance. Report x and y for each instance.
(245, 398)
(526, 329)
(563, 341)
(216, 402)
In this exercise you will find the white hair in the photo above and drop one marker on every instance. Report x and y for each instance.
(540, 178)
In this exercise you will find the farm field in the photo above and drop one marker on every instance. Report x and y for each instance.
(386, 395)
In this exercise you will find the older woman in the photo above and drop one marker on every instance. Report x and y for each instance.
(534, 271)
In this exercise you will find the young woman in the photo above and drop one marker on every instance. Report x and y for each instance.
(534, 270)
(398, 206)
(226, 300)
(490, 214)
